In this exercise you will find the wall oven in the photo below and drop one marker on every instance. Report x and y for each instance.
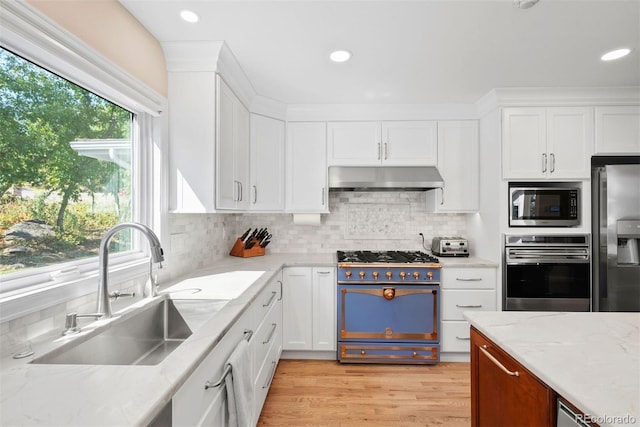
(547, 273)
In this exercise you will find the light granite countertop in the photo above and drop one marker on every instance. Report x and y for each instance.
(117, 395)
(590, 359)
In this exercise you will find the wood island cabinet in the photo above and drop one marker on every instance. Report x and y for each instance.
(503, 392)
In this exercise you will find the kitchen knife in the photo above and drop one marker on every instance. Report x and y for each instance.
(264, 244)
(250, 244)
(246, 233)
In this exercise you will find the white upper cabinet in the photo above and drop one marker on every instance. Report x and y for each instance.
(306, 167)
(232, 150)
(267, 164)
(458, 165)
(392, 143)
(547, 143)
(618, 130)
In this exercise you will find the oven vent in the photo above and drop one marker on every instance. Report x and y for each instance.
(384, 178)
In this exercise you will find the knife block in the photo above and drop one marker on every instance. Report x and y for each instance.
(239, 250)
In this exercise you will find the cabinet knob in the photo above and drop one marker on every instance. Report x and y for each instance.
(362, 353)
(415, 354)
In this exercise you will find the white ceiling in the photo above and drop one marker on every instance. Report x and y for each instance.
(409, 52)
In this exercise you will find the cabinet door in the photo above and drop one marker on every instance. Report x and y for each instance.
(409, 143)
(226, 186)
(324, 308)
(353, 143)
(306, 164)
(297, 310)
(232, 149)
(569, 142)
(458, 165)
(267, 164)
(524, 143)
(617, 130)
(499, 397)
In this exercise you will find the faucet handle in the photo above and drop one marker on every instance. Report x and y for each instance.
(117, 294)
(71, 324)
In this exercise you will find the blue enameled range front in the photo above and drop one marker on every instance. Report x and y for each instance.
(388, 307)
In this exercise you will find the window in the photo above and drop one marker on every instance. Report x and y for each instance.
(116, 154)
(65, 175)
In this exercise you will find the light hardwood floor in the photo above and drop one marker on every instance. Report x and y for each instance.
(327, 393)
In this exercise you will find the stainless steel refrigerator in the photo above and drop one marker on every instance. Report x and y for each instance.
(615, 191)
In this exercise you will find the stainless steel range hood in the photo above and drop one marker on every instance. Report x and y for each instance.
(384, 178)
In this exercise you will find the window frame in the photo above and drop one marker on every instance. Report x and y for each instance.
(30, 34)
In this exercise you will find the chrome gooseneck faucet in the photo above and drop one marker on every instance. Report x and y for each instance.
(157, 255)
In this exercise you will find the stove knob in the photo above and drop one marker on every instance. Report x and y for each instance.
(429, 275)
(375, 275)
(403, 275)
(361, 274)
(389, 274)
(416, 275)
(348, 274)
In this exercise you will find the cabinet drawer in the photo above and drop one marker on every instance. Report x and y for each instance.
(376, 352)
(455, 336)
(193, 404)
(455, 301)
(270, 331)
(269, 296)
(468, 278)
(267, 372)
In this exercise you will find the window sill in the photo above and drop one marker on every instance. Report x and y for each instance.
(46, 295)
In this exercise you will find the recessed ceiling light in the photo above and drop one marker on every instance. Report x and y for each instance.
(340, 56)
(189, 16)
(615, 54)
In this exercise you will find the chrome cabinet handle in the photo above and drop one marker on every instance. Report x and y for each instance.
(544, 162)
(273, 295)
(273, 371)
(241, 191)
(442, 195)
(379, 150)
(497, 362)
(255, 194)
(553, 163)
(248, 333)
(470, 279)
(273, 331)
(468, 305)
(280, 281)
(463, 338)
(322, 196)
(386, 151)
(324, 272)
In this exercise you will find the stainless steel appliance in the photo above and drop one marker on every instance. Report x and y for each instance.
(615, 184)
(388, 307)
(544, 205)
(384, 178)
(547, 273)
(450, 246)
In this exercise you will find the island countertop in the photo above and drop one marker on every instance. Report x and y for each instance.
(590, 359)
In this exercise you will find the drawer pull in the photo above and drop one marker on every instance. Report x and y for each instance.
(470, 279)
(273, 331)
(280, 281)
(273, 295)
(273, 372)
(497, 362)
(469, 305)
(463, 338)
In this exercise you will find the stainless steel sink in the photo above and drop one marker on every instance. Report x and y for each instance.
(145, 338)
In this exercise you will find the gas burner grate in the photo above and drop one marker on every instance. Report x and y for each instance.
(400, 257)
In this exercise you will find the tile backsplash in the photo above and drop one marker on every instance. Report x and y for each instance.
(358, 220)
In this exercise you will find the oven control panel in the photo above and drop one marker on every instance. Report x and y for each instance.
(402, 275)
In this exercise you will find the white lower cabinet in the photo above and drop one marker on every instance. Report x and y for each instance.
(195, 405)
(309, 308)
(464, 289)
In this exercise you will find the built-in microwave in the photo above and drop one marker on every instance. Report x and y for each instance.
(544, 205)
